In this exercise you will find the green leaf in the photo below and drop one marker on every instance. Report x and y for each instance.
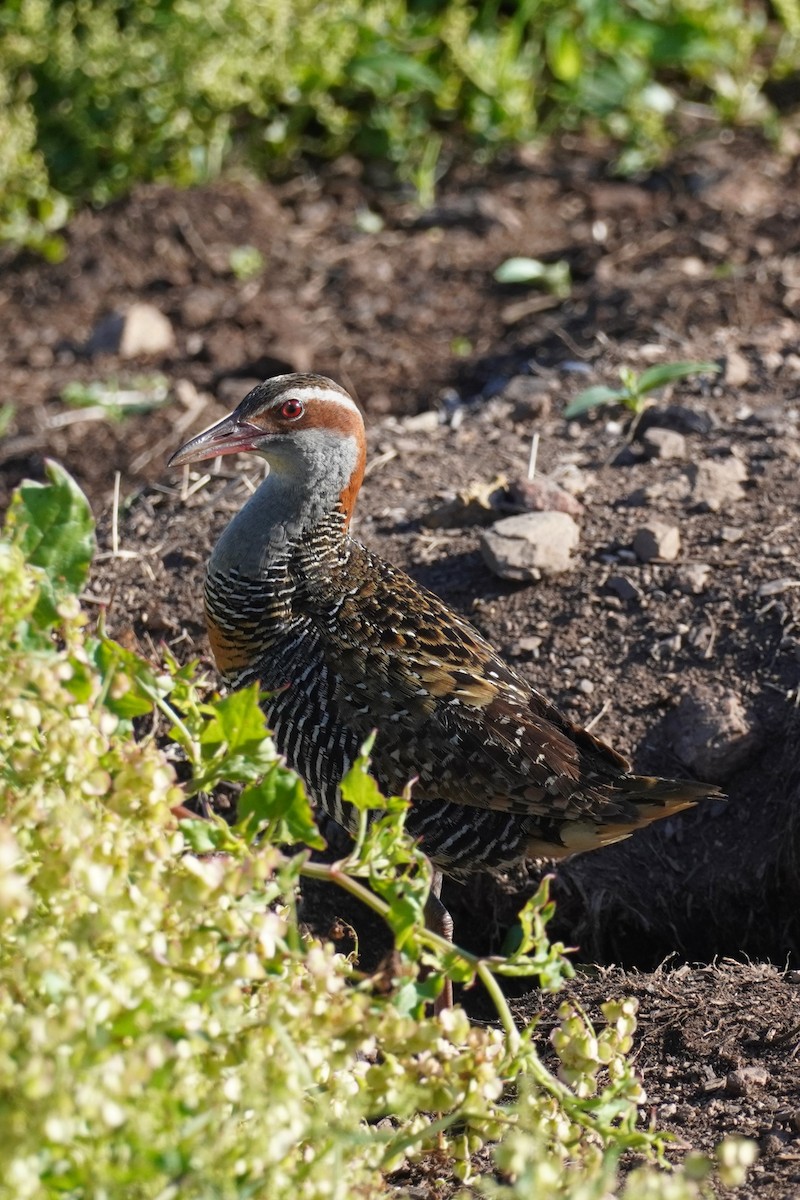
(235, 738)
(52, 524)
(564, 54)
(591, 398)
(278, 804)
(359, 788)
(656, 377)
(552, 277)
(130, 685)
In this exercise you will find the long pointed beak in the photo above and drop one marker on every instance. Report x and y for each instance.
(228, 436)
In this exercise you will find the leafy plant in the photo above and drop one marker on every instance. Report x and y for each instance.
(166, 1025)
(636, 389)
(97, 97)
(551, 277)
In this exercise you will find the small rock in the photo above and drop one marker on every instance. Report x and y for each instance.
(572, 479)
(543, 494)
(717, 482)
(586, 686)
(692, 578)
(712, 733)
(737, 369)
(530, 397)
(657, 540)
(424, 422)
(731, 533)
(525, 647)
(145, 331)
(142, 330)
(663, 443)
(746, 1079)
(528, 546)
(774, 587)
(623, 587)
(791, 365)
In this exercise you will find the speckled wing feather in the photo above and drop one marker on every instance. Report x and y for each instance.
(452, 714)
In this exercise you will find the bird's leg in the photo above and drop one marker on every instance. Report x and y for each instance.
(438, 920)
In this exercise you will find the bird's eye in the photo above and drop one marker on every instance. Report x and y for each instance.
(292, 409)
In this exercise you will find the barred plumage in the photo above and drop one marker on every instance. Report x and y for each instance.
(344, 643)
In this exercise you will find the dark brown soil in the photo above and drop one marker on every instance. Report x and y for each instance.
(699, 262)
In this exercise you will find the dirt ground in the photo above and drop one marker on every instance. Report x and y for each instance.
(700, 261)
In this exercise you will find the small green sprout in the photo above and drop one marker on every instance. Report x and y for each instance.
(246, 262)
(115, 400)
(634, 393)
(550, 277)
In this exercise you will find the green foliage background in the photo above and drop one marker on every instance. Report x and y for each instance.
(96, 95)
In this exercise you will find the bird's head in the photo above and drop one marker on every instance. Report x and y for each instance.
(308, 428)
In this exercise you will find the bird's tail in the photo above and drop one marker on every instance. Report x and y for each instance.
(655, 798)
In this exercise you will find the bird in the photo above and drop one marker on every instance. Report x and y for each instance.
(342, 643)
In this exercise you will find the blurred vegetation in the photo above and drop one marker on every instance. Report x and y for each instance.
(168, 1029)
(97, 95)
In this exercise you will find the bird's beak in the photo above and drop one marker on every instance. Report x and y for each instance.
(228, 436)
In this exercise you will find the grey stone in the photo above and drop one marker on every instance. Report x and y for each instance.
(692, 578)
(623, 587)
(717, 482)
(525, 547)
(746, 1079)
(663, 443)
(713, 734)
(543, 494)
(657, 540)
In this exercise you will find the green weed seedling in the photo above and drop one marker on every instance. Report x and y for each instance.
(635, 393)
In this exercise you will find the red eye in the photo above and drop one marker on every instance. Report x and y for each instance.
(292, 409)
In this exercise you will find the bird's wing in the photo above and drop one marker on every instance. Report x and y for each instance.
(450, 712)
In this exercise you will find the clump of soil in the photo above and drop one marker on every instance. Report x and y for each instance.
(456, 373)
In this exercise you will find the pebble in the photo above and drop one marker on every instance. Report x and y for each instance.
(731, 533)
(572, 479)
(424, 422)
(745, 1079)
(525, 547)
(692, 578)
(717, 482)
(712, 733)
(586, 686)
(543, 494)
(142, 330)
(737, 369)
(623, 587)
(663, 443)
(657, 540)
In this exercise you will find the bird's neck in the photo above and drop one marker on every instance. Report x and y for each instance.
(286, 515)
